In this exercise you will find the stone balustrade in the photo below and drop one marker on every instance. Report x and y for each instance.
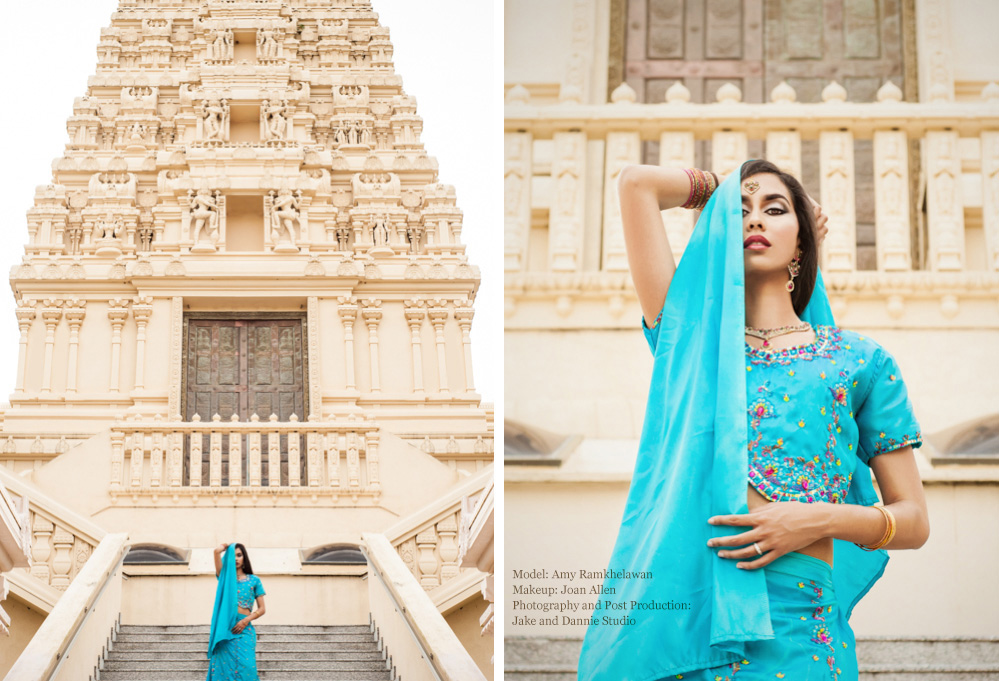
(427, 540)
(564, 244)
(61, 541)
(156, 462)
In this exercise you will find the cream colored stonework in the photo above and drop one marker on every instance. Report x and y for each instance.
(234, 159)
(576, 360)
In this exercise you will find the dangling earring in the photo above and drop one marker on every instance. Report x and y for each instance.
(794, 268)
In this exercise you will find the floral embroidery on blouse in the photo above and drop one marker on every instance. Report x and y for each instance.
(801, 415)
(247, 591)
(656, 322)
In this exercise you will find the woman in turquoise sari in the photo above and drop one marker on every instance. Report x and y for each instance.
(750, 530)
(232, 647)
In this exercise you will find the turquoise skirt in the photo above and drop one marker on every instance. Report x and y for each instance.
(812, 639)
(235, 659)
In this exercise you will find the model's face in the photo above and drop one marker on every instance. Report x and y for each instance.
(239, 558)
(769, 224)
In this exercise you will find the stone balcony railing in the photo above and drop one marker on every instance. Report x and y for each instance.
(566, 265)
(331, 463)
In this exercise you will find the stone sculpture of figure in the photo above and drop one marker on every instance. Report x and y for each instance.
(220, 44)
(267, 44)
(380, 233)
(275, 121)
(110, 228)
(204, 215)
(284, 214)
(341, 133)
(215, 114)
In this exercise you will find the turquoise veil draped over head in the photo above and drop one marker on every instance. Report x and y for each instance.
(226, 612)
(669, 603)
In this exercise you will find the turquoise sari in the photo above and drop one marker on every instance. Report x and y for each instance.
(688, 609)
(232, 657)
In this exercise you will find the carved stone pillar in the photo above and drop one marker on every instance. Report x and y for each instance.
(623, 148)
(784, 151)
(438, 317)
(944, 204)
(676, 150)
(936, 63)
(348, 313)
(41, 548)
(464, 316)
(142, 310)
(565, 231)
(415, 314)
(372, 316)
(62, 561)
(176, 350)
(448, 531)
(51, 314)
(76, 310)
(516, 199)
(371, 446)
(837, 193)
(315, 377)
(990, 197)
(117, 459)
(117, 314)
(426, 543)
(25, 316)
(728, 151)
(891, 208)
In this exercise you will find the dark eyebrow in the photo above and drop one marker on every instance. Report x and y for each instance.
(768, 197)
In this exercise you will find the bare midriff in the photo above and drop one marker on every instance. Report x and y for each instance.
(821, 548)
(243, 611)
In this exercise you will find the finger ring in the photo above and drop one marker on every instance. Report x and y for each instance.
(757, 547)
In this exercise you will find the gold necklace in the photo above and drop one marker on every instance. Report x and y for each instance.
(766, 334)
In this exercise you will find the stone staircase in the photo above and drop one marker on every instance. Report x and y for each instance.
(303, 653)
(880, 659)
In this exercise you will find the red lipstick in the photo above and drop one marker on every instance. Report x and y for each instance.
(756, 242)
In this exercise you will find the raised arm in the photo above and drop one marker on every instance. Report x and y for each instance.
(644, 191)
(218, 558)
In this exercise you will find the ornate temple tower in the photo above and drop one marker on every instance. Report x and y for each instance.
(245, 310)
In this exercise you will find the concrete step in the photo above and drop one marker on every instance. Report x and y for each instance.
(265, 676)
(263, 663)
(268, 628)
(261, 636)
(199, 654)
(182, 645)
(879, 658)
(303, 653)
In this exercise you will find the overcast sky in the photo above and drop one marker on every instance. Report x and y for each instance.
(447, 52)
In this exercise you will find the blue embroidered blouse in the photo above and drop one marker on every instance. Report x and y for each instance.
(808, 452)
(247, 591)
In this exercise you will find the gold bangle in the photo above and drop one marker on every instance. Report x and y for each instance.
(889, 532)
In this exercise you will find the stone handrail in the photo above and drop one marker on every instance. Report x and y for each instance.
(62, 540)
(427, 539)
(71, 640)
(332, 461)
(549, 165)
(417, 637)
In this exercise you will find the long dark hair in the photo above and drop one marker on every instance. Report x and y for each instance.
(247, 568)
(804, 283)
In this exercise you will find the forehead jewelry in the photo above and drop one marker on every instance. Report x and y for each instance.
(752, 186)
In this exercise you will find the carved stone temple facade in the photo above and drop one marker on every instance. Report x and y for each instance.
(245, 313)
(888, 112)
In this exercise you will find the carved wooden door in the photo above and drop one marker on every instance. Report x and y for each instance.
(243, 367)
(756, 44)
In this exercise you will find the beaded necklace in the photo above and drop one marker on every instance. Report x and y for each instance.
(766, 334)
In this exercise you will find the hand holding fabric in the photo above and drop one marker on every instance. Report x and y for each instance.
(240, 625)
(776, 528)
